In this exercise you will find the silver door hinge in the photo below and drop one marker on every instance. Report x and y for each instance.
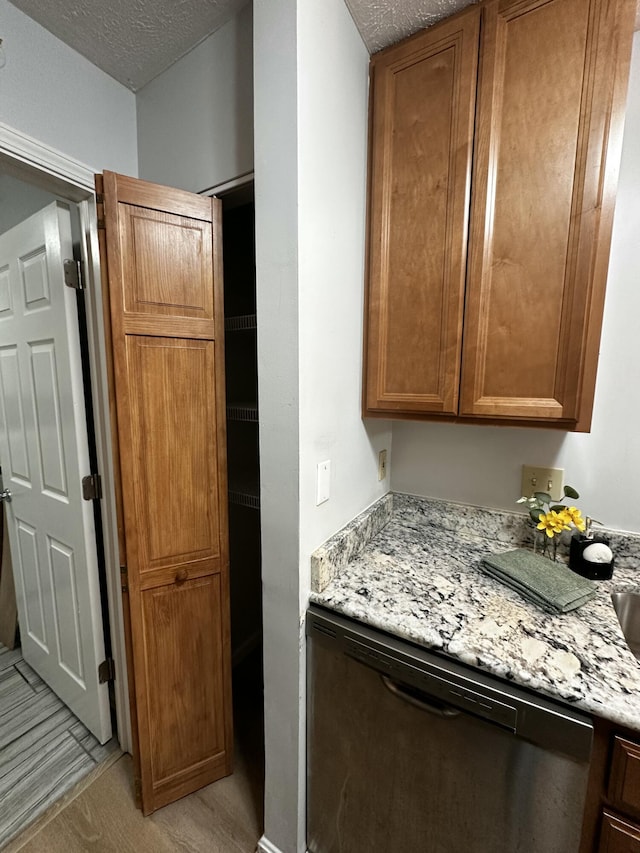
(107, 671)
(92, 487)
(73, 276)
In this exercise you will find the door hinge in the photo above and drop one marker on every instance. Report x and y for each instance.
(73, 275)
(92, 487)
(124, 579)
(100, 212)
(107, 671)
(137, 791)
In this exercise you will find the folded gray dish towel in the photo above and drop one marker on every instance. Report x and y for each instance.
(552, 586)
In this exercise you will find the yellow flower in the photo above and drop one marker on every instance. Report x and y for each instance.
(552, 522)
(575, 517)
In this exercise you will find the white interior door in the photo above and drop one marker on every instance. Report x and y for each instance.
(44, 456)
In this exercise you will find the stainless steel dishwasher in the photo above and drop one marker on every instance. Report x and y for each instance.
(411, 752)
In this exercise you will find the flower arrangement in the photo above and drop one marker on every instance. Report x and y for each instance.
(552, 518)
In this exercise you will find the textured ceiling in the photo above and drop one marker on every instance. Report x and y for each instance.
(132, 40)
(135, 40)
(383, 22)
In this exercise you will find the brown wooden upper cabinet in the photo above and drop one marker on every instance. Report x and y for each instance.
(495, 142)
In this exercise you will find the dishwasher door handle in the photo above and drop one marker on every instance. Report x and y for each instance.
(446, 711)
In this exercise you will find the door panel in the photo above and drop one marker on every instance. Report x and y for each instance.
(166, 328)
(15, 432)
(44, 454)
(174, 427)
(52, 460)
(422, 107)
(541, 213)
(166, 245)
(170, 616)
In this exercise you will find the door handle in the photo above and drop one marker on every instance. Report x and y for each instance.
(446, 711)
(5, 495)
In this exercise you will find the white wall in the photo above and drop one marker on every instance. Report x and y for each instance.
(310, 165)
(276, 188)
(481, 465)
(18, 200)
(195, 121)
(50, 92)
(332, 165)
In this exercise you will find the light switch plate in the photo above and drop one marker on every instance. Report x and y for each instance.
(537, 478)
(323, 489)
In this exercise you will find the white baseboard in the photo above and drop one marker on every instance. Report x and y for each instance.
(265, 846)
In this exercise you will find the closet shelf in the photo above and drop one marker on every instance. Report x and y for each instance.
(244, 499)
(240, 323)
(244, 492)
(242, 412)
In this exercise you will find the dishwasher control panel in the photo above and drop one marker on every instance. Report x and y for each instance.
(440, 684)
(434, 686)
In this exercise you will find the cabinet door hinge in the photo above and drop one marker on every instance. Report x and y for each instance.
(73, 274)
(92, 487)
(107, 671)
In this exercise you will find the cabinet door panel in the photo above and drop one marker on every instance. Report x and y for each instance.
(161, 256)
(182, 622)
(624, 780)
(173, 429)
(423, 97)
(618, 836)
(541, 207)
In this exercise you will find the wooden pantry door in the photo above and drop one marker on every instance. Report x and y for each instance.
(161, 256)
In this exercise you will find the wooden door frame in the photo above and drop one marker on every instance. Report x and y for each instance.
(74, 181)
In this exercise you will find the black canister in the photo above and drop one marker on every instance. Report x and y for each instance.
(588, 569)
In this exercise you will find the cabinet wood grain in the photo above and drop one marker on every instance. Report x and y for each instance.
(422, 107)
(624, 779)
(618, 835)
(541, 216)
(485, 297)
(611, 821)
(162, 252)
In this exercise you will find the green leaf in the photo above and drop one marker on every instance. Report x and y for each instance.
(535, 514)
(543, 497)
(558, 507)
(570, 492)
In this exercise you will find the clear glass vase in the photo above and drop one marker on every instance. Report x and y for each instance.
(546, 546)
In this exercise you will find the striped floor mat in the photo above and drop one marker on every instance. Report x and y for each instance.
(44, 749)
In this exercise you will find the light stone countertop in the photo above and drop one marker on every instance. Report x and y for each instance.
(410, 566)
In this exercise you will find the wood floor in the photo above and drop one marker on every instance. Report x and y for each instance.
(225, 817)
(44, 749)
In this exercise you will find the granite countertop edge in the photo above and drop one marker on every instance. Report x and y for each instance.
(409, 566)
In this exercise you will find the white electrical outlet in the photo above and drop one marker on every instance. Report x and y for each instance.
(535, 478)
(382, 464)
(323, 489)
